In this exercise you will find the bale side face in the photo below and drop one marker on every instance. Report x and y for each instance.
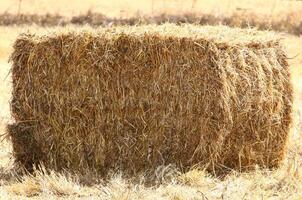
(137, 101)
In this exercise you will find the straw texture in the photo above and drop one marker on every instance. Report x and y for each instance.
(134, 98)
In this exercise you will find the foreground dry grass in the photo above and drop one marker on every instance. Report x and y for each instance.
(284, 183)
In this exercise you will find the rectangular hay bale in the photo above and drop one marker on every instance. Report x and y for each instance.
(134, 98)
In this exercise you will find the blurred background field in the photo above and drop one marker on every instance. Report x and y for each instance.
(128, 8)
(284, 183)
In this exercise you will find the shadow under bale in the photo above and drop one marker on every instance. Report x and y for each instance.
(135, 98)
(24, 144)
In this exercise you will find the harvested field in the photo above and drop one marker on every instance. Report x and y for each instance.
(282, 183)
(224, 103)
(291, 23)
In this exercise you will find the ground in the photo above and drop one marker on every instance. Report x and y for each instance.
(283, 183)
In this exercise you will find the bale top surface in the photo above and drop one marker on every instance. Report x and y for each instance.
(223, 35)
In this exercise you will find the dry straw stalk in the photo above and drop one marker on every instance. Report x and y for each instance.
(134, 98)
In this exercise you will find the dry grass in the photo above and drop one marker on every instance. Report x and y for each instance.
(284, 183)
(289, 22)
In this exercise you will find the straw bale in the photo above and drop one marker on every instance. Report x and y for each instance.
(135, 98)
